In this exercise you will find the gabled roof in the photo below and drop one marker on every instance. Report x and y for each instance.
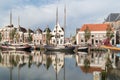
(22, 29)
(10, 26)
(31, 31)
(47, 29)
(39, 30)
(113, 17)
(95, 27)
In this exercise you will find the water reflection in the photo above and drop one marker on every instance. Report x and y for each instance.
(36, 65)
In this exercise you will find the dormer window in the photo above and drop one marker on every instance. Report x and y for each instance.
(59, 30)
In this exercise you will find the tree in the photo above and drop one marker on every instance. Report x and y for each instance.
(87, 34)
(29, 36)
(86, 64)
(12, 34)
(108, 65)
(0, 36)
(74, 39)
(109, 32)
(17, 36)
(48, 36)
(48, 62)
(109, 35)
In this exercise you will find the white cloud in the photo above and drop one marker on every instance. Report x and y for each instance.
(79, 12)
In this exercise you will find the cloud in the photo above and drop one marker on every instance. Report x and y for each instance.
(41, 13)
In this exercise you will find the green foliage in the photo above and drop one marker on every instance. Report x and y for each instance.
(17, 36)
(0, 36)
(48, 36)
(86, 64)
(103, 75)
(87, 34)
(108, 65)
(109, 32)
(49, 62)
(0, 58)
(12, 34)
(29, 36)
(74, 39)
(30, 61)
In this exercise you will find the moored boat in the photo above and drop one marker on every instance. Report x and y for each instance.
(21, 47)
(61, 48)
(83, 49)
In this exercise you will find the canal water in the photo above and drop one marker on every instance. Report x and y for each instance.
(36, 65)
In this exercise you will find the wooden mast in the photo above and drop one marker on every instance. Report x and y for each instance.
(10, 17)
(56, 23)
(64, 21)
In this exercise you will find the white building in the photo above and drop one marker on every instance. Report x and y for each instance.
(58, 35)
(98, 34)
(37, 37)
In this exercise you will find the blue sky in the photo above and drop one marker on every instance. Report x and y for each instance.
(40, 13)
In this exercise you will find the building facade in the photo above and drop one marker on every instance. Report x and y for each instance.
(57, 35)
(37, 37)
(98, 34)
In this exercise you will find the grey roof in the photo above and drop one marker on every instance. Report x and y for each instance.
(39, 30)
(113, 17)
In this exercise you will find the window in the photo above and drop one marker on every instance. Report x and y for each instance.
(61, 41)
(53, 41)
(96, 41)
(59, 30)
(61, 35)
(92, 35)
(81, 40)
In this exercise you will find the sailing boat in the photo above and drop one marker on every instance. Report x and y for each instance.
(15, 46)
(59, 39)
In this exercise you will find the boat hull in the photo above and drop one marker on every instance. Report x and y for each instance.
(64, 49)
(20, 48)
(83, 49)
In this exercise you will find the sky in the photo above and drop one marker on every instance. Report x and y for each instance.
(40, 13)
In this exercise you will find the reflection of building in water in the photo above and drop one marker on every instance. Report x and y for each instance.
(57, 61)
(97, 60)
(17, 58)
(37, 57)
(12, 58)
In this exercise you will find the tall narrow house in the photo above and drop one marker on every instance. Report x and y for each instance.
(58, 32)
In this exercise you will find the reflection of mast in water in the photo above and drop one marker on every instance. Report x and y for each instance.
(18, 72)
(64, 67)
(11, 68)
(56, 66)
